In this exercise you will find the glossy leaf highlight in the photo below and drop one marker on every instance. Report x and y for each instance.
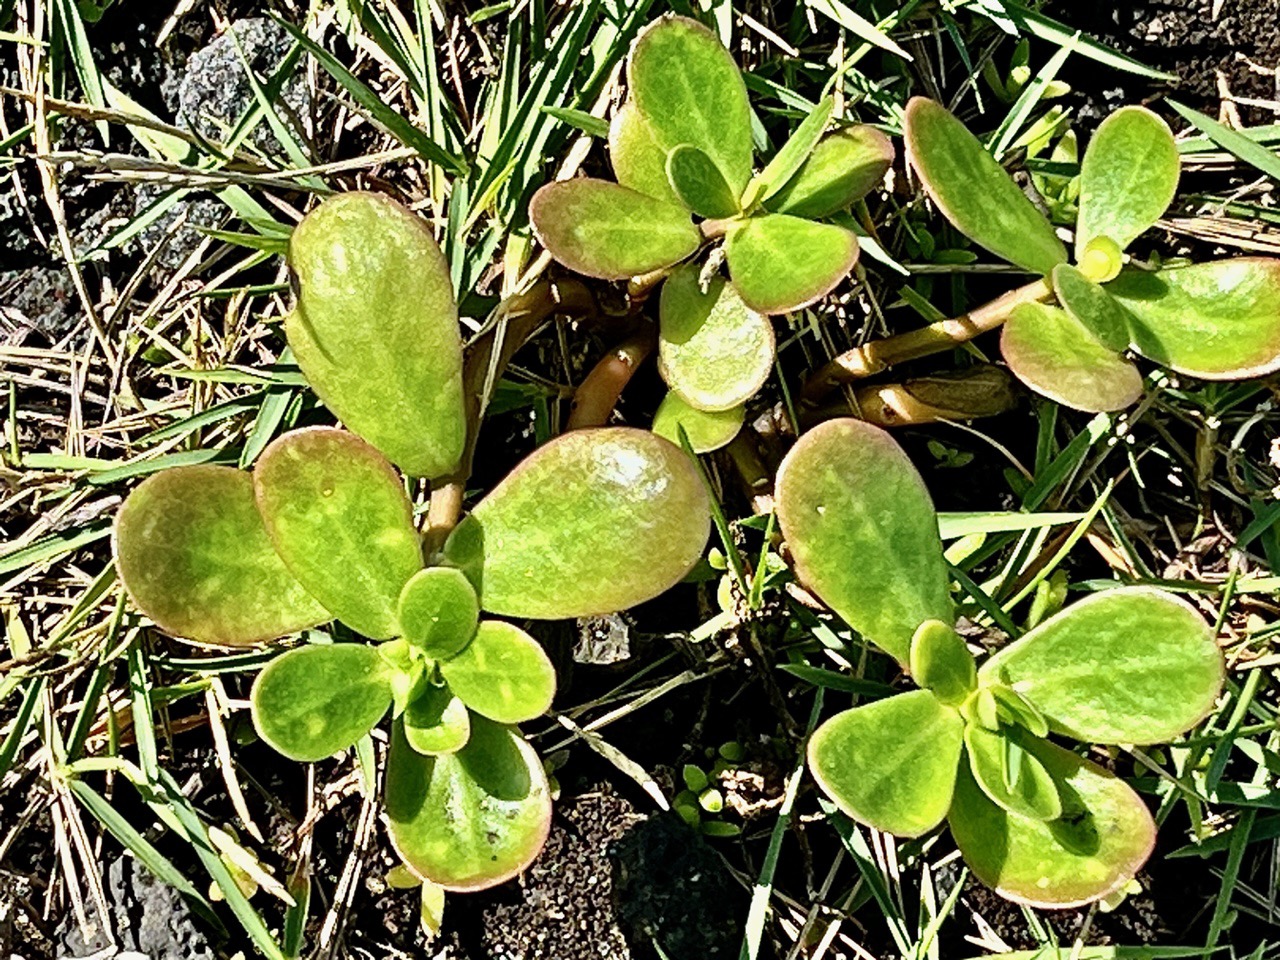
(438, 611)
(780, 263)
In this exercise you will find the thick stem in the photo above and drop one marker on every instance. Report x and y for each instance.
(879, 355)
(981, 391)
(598, 393)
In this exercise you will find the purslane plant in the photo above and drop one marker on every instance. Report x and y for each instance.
(1037, 822)
(591, 522)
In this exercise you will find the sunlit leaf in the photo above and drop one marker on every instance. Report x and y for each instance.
(438, 611)
(1128, 177)
(973, 191)
(193, 554)
(941, 662)
(1058, 357)
(375, 329)
(862, 532)
(1028, 790)
(892, 763)
(471, 819)
(503, 674)
(437, 722)
(316, 700)
(791, 156)
(844, 167)
(699, 183)
(638, 161)
(780, 263)
(595, 521)
(1131, 665)
(1104, 836)
(713, 350)
(339, 518)
(602, 229)
(1092, 306)
(706, 430)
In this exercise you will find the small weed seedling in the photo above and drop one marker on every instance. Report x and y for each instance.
(591, 522)
(1039, 823)
(681, 148)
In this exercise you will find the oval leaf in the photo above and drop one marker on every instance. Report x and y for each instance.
(602, 229)
(699, 183)
(439, 611)
(340, 519)
(892, 763)
(1128, 177)
(941, 662)
(1213, 320)
(437, 722)
(1132, 665)
(503, 674)
(593, 522)
(312, 702)
(1020, 785)
(706, 431)
(844, 167)
(780, 263)
(863, 533)
(713, 350)
(472, 819)
(375, 329)
(1057, 357)
(1104, 836)
(688, 90)
(194, 556)
(1092, 306)
(973, 191)
(638, 161)
(792, 156)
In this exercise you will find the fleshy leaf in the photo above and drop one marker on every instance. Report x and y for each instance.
(1104, 836)
(437, 722)
(892, 763)
(1128, 177)
(503, 674)
(316, 700)
(602, 229)
(438, 611)
(844, 167)
(472, 819)
(593, 522)
(941, 662)
(791, 156)
(780, 263)
(688, 90)
(863, 533)
(1009, 775)
(374, 294)
(340, 519)
(1056, 356)
(706, 430)
(974, 192)
(699, 183)
(1092, 306)
(1213, 320)
(638, 161)
(713, 350)
(193, 554)
(1131, 665)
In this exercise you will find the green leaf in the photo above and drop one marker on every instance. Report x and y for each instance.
(941, 662)
(375, 329)
(791, 157)
(780, 263)
(437, 721)
(688, 90)
(713, 350)
(1131, 665)
(973, 191)
(1056, 356)
(472, 819)
(1128, 177)
(314, 701)
(1092, 306)
(503, 674)
(891, 764)
(195, 558)
(340, 519)
(1104, 836)
(1213, 320)
(699, 183)
(601, 229)
(593, 522)
(844, 167)
(638, 161)
(439, 611)
(863, 533)
(706, 430)
(1027, 790)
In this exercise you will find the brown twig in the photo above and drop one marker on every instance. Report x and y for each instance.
(981, 391)
(599, 391)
